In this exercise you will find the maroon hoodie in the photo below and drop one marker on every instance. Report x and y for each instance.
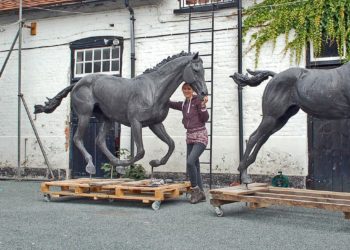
(194, 116)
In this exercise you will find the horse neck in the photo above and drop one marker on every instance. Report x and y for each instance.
(171, 78)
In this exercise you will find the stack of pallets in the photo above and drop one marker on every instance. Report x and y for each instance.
(115, 189)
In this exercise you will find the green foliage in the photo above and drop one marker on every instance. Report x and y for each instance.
(134, 171)
(307, 20)
(109, 171)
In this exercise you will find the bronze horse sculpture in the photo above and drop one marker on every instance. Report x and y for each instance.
(138, 102)
(321, 93)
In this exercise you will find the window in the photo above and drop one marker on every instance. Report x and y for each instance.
(96, 55)
(99, 60)
(186, 6)
(329, 52)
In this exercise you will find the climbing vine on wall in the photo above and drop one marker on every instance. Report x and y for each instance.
(300, 21)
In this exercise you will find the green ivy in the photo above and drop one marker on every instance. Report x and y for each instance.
(308, 20)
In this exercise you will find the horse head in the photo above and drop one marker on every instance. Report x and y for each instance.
(194, 75)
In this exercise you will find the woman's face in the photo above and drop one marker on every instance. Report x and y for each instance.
(187, 90)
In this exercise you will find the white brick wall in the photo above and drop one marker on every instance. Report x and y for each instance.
(159, 33)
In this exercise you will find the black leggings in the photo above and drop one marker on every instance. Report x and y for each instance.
(193, 153)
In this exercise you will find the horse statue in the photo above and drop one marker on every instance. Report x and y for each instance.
(138, 102)
(321, 93)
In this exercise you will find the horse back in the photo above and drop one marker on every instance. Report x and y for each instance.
(325, 93)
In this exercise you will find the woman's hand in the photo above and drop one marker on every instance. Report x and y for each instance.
(204, 102)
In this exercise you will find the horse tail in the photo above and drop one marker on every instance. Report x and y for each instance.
(53, 103)
(257, 77)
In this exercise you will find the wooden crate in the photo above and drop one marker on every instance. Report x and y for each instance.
(261, 195)
(115, 189)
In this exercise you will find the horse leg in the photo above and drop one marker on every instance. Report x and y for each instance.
(267, 124)
(267, 127)
(83, 123)
(101, 140)
(159, 130)
(136, 129)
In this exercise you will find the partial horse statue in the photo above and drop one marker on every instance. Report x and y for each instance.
(324, 94)
(138, 102)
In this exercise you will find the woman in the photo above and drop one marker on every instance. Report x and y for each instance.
(195, 115)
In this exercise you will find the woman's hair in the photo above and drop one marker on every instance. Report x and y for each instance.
(187, 85)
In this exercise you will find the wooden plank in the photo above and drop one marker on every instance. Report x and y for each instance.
(44, 187)
(254, 205)
(303, 197)
(89, 195)
(308, 192)
(238, 190)
(104, 182)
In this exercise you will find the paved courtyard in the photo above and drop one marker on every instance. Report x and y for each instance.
(28, 222)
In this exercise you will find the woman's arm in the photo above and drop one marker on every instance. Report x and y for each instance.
(175, 105)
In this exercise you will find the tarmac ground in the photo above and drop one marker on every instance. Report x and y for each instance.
(27, 221)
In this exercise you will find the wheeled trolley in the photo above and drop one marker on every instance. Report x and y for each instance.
(259, 195)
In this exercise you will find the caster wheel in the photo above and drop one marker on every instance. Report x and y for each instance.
(219, 211)
(47, 197)
(156, 205)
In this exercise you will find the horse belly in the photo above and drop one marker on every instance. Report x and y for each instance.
(326, 105)
(152, 115)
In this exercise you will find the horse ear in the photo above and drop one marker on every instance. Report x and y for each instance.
(195, 57)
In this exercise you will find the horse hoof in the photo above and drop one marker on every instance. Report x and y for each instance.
(155, 163)
(246, 180)
(90, 169)
(120, 170)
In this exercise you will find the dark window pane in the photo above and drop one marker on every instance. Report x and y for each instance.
(106, 53)
(88, 55)
(97, 54)
(329, 49)
(88, 68)
(115, 53)
(115, 65)
(80, 56)
(79, 68)
(106, 66)
(97, 67)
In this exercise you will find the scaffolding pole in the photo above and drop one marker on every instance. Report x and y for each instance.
(22, 100)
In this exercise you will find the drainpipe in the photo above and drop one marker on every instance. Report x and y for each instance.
(133, 59)
(240, 69)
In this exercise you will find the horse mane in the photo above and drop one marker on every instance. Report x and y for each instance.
(166, 60)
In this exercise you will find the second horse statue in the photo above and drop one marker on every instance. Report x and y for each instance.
(138, 102)
(321, 93)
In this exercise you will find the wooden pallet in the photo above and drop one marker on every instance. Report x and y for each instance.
(115, 189)
(261, 195)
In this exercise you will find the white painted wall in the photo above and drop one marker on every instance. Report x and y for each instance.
(160, 33)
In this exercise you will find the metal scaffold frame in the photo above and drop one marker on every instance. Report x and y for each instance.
(20, 97)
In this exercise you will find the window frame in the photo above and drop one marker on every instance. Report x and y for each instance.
(313, 61)
(84, 61)
(208, 5)
(92, 44)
